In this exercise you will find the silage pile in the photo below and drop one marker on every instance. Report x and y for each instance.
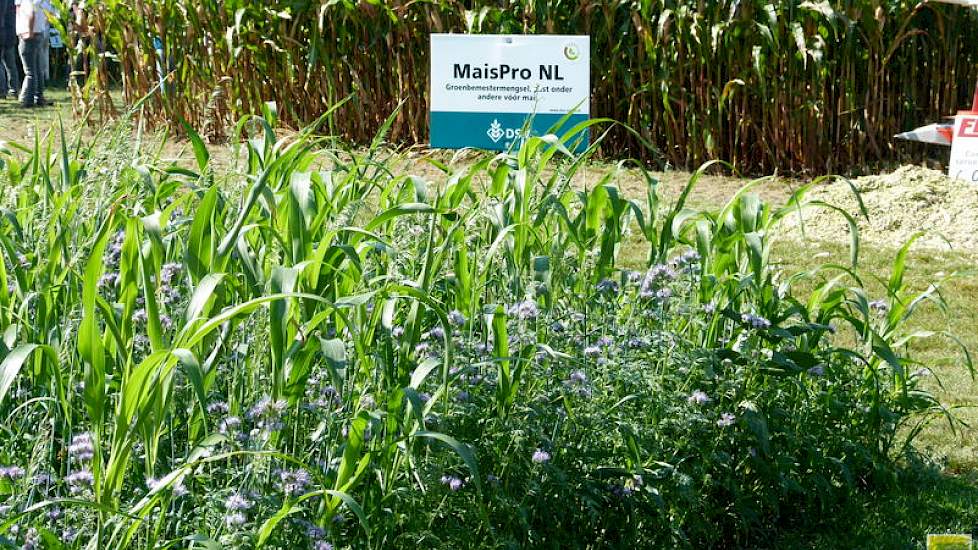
(899, 204)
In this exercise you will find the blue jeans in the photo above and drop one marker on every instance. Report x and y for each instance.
(30, 55)
(9, 77)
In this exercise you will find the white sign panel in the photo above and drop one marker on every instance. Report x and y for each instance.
(485, 87)
(964, 148)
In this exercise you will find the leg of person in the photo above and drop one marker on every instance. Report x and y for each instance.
(3, 77)
(8, 58)
(43, 66)
(28, 56)
(44, 62)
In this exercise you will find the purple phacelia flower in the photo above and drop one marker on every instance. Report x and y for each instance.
(456, 318)
(699, 397)
(82, 448)
(32, 540)
(540, 456)
(237, 502)
(267, 408)
(655, 278)
(43, 478)
(452, 482)
(688, 258)
(524, 310)
(755, 321)
(219, 407)
(367, 401)
(169, 271)
(229, 425)
(235, 519)
(607, 286)
(726, 419)
(294, 482)
(139, 316)
(637, 343)
(881, 307)
(108, 279)
(11, 473)
(77, 481)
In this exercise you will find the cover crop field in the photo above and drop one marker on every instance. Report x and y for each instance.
(292, 344)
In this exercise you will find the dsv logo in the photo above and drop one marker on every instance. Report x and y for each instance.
(496, 132)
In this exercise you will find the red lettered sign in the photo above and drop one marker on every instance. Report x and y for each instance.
(964, 148)
(967, 127)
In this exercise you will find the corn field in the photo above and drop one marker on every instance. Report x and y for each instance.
(787, 86)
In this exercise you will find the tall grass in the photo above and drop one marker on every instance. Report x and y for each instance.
(319, 349)
(769, 85)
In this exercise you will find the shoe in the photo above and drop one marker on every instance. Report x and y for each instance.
(43, 103)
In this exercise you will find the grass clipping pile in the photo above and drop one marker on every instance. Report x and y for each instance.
(899, 204)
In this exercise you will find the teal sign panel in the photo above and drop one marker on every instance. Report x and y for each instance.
(499, 131)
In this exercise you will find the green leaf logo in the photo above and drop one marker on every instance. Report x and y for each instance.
(572, 52)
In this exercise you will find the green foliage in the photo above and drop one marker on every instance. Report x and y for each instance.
(317, 348)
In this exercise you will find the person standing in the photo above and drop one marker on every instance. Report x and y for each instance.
(32, 28)
(50, 12)
(9, 73)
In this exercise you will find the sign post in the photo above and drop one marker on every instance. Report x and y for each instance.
(484, 88)
(964, 147)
